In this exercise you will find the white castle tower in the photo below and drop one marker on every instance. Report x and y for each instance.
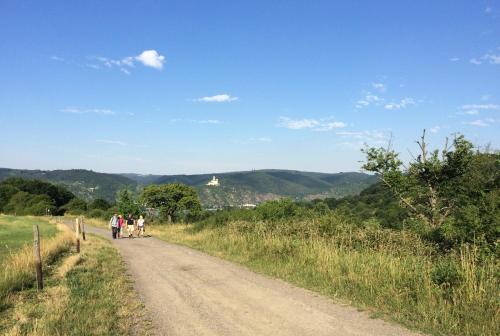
(214, 182)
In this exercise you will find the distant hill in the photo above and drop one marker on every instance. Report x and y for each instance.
(235, 188)
(260, 185)
(83, 183)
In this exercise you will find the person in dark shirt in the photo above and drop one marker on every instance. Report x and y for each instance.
(130, 226)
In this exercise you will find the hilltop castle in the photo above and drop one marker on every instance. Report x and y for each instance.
(214, 182)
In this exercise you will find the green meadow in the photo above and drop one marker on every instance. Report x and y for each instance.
(15, 232)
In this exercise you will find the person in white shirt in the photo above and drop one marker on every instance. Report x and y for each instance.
(140, 226)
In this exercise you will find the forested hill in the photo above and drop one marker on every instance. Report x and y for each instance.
(83, 183)
(260, 185)
(235, 188)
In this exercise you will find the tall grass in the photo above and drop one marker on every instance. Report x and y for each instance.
(18, 270)
(391, 273)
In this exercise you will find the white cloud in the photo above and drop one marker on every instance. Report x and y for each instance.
(298, 123)
(150, 58)
(209, 121)
(320, 125)
(220, 98)
(478, 123)
(93, 66)
(370, 136)
(492, 58)
(57, 58)
(253, 141)
(402, 104)
(194, 121)
(435, 129)
(112, 142)
(379, 86)
(480, 107)
(328, 126)
(77, 110)
(368, 100)
(454, 59)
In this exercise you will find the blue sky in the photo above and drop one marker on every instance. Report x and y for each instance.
(169, 87)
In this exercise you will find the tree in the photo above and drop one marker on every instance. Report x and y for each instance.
(76, 206)
(171, 200)
(428, 187)
(100, 204)
(127, 204)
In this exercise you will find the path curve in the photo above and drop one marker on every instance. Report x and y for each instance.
(188, 292)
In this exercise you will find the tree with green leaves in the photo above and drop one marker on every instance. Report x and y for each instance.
(454, 191)
(100, 204)
(172, 200)
(127, 204)
(424, 187)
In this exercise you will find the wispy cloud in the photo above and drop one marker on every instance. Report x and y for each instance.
(57, 58)
(77, 110)
(402, 104)
(195, 121)
(220, 98)
(488, 10)
(149, 58)
(480, 122)
(435, 129)
(491, 58)
(454, 59)
(112, 142)
(485, 97)
(320, 125)
(473, 109)
(361, 137)
(328, 126)
(250, 141)
(369, 99)
(297, 124)
(379, 86)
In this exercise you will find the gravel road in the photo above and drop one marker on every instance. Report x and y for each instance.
(188, 292)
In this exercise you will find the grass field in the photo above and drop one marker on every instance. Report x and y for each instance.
(84, 294)
(15, 232)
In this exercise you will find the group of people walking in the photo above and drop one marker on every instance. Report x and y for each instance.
(119, 224)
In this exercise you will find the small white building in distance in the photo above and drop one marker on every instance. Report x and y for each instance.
(214, 182)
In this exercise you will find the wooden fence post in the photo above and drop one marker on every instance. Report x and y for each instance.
(77, 233)
(38, 258)
(83, 229)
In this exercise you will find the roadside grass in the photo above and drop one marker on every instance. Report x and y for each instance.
(17, 231)
(17, 271)
(394, 278)
(86, 294)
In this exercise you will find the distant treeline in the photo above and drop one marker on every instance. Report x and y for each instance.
(34, 197)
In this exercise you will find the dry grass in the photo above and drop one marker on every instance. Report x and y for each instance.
(394, 278)
(18, 269)
(87, 294)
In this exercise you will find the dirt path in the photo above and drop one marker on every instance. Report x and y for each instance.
(191, 293)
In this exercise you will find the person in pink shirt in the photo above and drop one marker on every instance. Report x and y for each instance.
(120, 226)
